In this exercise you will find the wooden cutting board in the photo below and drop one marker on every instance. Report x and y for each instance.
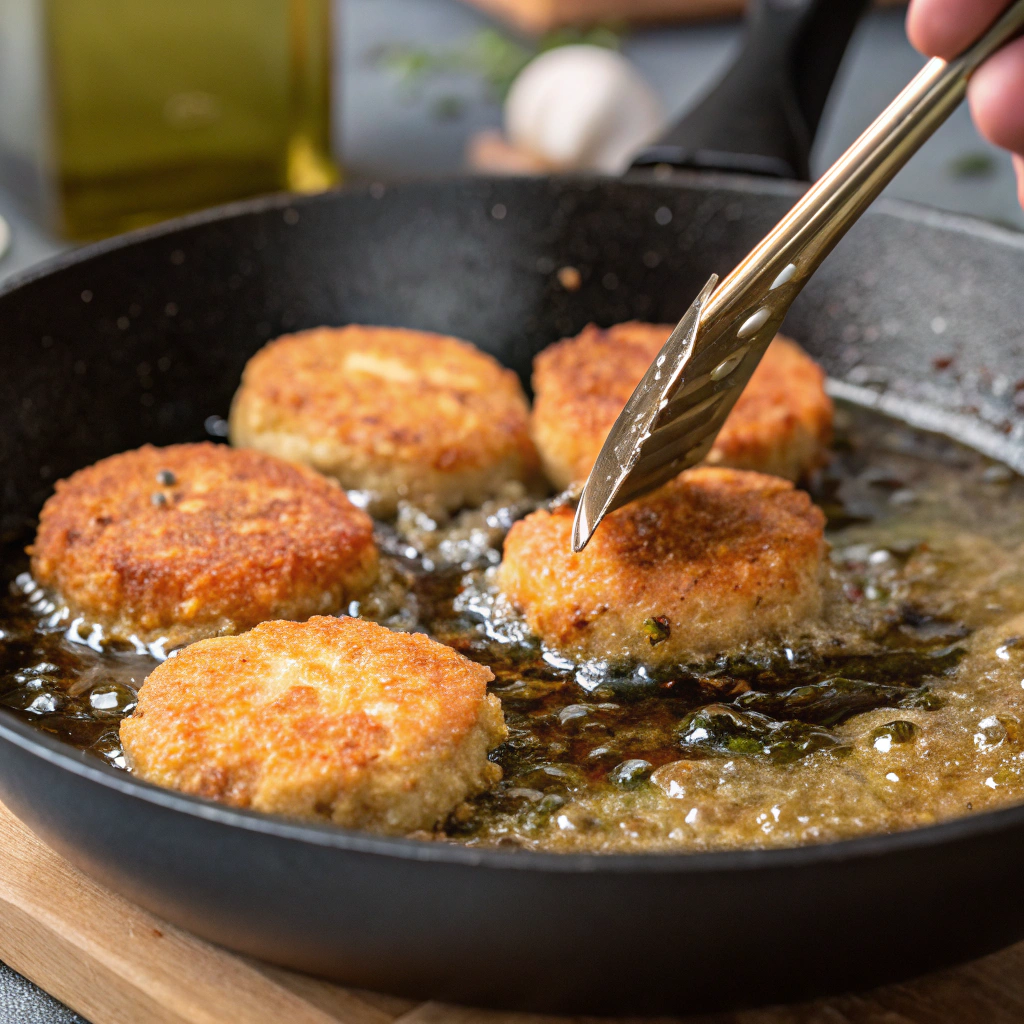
(116, 964)
(536, 16)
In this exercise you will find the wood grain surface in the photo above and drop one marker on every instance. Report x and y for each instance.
(117, 964)
(536, 16)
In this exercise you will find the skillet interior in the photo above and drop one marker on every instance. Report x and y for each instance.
(142, 340)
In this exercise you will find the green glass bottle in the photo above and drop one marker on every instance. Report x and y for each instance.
(117, 113)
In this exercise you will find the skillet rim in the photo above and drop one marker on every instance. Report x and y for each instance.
(59, 754)
(902, 209)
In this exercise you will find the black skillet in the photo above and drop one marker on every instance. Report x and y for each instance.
(141, 339)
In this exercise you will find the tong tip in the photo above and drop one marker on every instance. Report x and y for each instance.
(613, 466)
(582, 530)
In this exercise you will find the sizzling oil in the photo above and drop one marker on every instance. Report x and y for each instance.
(903, 707)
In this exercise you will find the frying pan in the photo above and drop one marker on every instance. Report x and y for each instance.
(144, 337)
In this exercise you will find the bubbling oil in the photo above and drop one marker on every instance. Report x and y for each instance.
(903, 706)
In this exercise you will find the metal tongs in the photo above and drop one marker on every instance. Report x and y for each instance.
(672, 418)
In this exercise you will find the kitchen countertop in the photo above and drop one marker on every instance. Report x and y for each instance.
(385, 135)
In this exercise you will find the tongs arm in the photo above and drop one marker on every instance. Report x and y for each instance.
(809, 232)
(673, 417)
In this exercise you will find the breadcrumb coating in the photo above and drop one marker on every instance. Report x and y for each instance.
(392, 412)
(339, 720)
(714, 559)
(199, 540)
(781, 423)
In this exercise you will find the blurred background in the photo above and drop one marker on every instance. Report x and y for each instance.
(115, 113)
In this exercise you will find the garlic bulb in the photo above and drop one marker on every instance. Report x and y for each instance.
(581, 108)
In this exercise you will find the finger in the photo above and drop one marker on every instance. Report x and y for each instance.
(1018, 166)
(996, 95)
(945, 28)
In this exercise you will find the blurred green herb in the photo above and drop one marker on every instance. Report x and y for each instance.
(447, 108)
(972, 165)
(489, 55)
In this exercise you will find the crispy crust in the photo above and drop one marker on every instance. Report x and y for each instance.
(781, 424)
(237, 538)
(722, 556)
(397, 413)
(337, 719)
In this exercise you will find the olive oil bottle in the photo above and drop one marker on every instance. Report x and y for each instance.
(117, 113)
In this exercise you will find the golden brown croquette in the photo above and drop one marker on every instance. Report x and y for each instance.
(391, 412)
(336, 719)
(715, 558)
(781, 423)
(197, 540)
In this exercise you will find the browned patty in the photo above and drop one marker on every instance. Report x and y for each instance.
(337, 719)
(392, 412)
(197, 540)
(715, 558)
(781, 423)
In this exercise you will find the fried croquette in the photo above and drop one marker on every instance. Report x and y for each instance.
(781, 423)
(714, 559)
(390, 412)
(336, 719)
(198, 540)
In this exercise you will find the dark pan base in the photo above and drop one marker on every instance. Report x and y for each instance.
(143, 340)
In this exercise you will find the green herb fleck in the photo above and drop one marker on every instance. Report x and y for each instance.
(720, 729)
(657, 630)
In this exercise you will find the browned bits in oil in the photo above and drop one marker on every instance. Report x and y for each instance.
(570, 279)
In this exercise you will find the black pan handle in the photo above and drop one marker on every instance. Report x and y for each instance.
(762, 115)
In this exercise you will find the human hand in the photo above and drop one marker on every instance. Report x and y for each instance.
(944, 28)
